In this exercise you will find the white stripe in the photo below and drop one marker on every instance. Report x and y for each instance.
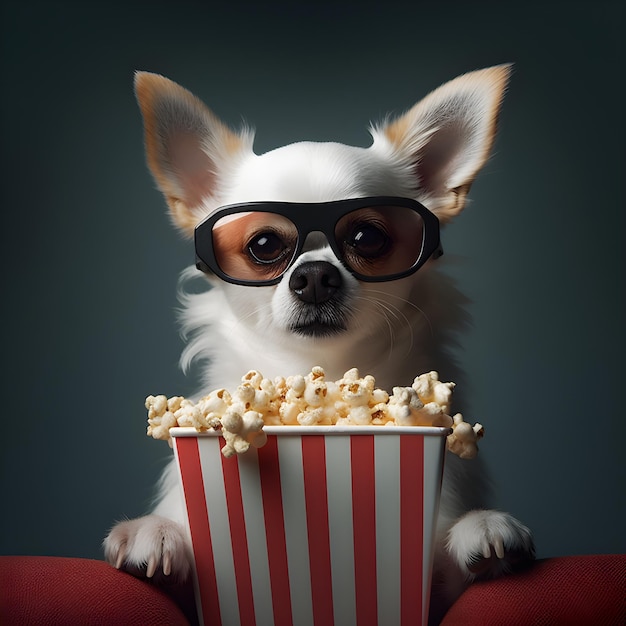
(210, 459)
(252, 499)
(387, 459)
(339, 481)
(294, 509)
(433, 460)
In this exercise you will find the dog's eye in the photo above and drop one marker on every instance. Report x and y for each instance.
(266, 248)
(368, 240)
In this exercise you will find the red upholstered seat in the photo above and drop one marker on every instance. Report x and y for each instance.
(50, 591)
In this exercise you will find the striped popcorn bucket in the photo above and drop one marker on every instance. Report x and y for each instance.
(322, 526)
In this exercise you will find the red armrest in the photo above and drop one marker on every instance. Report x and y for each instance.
(55, 591)
(573, 590)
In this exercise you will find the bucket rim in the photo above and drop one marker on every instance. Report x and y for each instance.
(286, 431)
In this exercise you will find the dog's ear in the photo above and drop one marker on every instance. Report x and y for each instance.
(188, 148)
(446, 138)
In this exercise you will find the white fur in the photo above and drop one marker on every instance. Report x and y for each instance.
(394, 330)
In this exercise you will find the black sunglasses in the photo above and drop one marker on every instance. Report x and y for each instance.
(377, 239)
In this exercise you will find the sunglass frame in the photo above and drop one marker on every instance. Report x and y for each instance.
(310, 217)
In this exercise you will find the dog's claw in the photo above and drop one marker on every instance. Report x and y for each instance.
(499, 547)
(167, 564)
(151, 567)
(486, 550)
(121, 555)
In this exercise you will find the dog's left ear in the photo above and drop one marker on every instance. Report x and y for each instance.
(446, 138)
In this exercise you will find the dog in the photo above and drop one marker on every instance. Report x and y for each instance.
(326, 254)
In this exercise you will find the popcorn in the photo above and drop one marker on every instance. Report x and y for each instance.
(164, 413)
(242, 431)
(361, 403)
(319, 400)
(405, 406)
(312, 400)
(160, 416)
(357, 397)
(430, 389)
(464, 437)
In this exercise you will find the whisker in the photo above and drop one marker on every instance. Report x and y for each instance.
(380, 309)
(256, 310)
(399, 315)
(390, 313)
(406, 301)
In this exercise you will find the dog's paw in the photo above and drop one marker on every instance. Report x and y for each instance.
(151, 546)
(486, 544)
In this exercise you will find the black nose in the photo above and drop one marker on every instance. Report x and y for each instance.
(315, 282)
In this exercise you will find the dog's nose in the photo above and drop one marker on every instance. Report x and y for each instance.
(315, 281)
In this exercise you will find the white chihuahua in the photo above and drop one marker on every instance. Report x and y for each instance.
(325, 254)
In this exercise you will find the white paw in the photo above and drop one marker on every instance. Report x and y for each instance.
(489, 543)
(149, 545)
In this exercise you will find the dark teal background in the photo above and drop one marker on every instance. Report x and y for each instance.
(90, 262)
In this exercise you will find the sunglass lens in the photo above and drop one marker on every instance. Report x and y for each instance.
(254, 245)
(380, 241)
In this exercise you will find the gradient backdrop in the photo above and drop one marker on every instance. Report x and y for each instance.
(90, 262)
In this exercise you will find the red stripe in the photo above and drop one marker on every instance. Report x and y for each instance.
(269, 472)
(411, 528)
(315, 494)
(239, 539)
(193, 486)
(364, 527)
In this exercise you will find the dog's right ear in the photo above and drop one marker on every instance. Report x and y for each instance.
(188, 148)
